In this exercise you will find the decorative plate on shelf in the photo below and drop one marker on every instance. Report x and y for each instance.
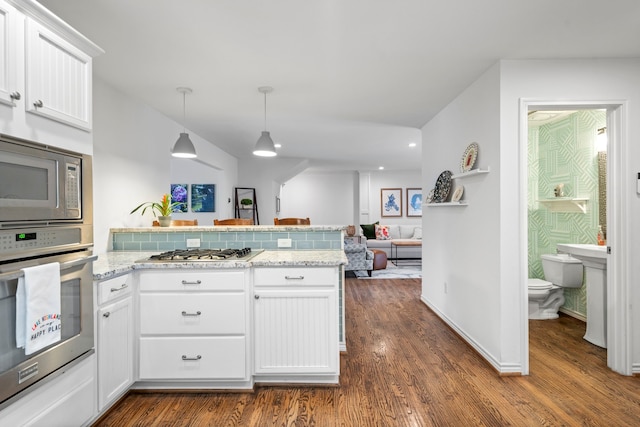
(469, 157)
(457, 193)
(429, 198)
(443, 187)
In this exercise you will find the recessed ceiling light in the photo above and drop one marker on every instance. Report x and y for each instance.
(380, 167)
(412, 144)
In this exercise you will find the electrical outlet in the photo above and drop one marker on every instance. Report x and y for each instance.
(193, 243)
(284, 243)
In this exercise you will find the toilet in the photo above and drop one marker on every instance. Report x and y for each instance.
(546, 296)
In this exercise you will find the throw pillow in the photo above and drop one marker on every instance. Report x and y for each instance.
(382, 232)
(369, 230)
(417, 233)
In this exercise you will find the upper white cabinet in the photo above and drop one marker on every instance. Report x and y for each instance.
(45, 69)
(8, 54)
(58, 78)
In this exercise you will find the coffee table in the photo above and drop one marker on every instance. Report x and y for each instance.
(396, 245)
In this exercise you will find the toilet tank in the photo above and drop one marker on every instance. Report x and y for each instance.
(562, 270)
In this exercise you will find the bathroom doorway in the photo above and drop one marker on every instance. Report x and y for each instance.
(566, 188)
(567, 133)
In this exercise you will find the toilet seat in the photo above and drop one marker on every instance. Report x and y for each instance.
(539, 284)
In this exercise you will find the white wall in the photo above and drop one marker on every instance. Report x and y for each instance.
(478, 250)
(132, 162)
(327, 198)
(615, 81)
(266, 174)
(461, 250)
(371, 203)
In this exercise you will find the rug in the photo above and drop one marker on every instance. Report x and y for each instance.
(392, 272)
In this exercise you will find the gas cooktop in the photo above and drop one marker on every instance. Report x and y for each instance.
(244, 254)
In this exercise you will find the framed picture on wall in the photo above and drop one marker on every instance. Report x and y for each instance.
(180, 195)
(391, 202)
(203, 197)
(414, 201)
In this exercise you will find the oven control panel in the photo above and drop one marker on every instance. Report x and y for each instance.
(12, 241)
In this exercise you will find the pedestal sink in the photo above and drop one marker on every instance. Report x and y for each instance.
(594, 259)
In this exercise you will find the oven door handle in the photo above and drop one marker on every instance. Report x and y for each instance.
(63, 266)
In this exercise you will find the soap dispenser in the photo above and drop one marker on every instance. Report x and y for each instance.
(601, 241)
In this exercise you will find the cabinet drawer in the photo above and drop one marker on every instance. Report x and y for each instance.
(190, 280)
(111, 289)
(295, 276)
(193, 358)
(170, 313)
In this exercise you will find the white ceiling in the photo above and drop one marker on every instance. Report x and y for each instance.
(354, 80)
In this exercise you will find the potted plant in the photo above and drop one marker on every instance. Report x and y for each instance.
(246, 203)
(164, 208)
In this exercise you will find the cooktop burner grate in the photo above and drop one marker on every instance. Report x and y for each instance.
(203, 255)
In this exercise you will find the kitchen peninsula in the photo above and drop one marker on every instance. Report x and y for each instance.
(226, 324)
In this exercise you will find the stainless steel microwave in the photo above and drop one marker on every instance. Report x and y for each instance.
(42, 184)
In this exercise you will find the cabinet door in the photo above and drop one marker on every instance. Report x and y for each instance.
(58, 78)
(296, 331)
(115, 351)
(8, 55)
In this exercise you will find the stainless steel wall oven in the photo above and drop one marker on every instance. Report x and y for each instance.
(45, 217)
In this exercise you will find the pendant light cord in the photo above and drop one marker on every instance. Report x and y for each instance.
(184, 112)
(265, 111)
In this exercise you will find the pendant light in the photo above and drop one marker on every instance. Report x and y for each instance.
(265, 146)
(184, 147)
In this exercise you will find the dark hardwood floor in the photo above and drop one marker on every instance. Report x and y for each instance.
(404, 367)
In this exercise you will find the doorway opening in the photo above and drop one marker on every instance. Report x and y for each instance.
(560, 157)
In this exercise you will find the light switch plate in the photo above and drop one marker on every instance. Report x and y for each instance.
(193, 243)
(284, 243)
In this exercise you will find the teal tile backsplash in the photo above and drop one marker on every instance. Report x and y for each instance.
(170, 240)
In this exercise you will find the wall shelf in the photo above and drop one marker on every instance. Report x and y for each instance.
(433, 205)
(470, 173)
(566, 204)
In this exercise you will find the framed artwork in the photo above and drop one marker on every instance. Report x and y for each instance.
(203, 197)
(414, 201)
(180, 194)
(391, 202)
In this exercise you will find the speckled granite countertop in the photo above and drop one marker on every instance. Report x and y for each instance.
(235, 228)
(113, 264)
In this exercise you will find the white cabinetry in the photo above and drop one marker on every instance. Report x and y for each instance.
(296, 324)
(8, 54)
(45, 70)
(67, 400)
(115, 338)
(194, 326)
(58, 77)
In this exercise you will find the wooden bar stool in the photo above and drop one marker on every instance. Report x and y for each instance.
(233, 221)
(291, 221)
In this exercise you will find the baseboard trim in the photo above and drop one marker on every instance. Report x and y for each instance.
(502, 369)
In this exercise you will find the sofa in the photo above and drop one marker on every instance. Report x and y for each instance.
(394, 232)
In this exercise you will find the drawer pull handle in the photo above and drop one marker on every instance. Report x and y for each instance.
(107, 314)
(197, 313)
(256, 296)
(38, 104)
(294, 277)
(122, 287)
(195, 282)
(15, 96)
(185, 357)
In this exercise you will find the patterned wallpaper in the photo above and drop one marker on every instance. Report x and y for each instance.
(563, 152)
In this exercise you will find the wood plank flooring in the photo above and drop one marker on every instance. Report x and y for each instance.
(404, 367)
